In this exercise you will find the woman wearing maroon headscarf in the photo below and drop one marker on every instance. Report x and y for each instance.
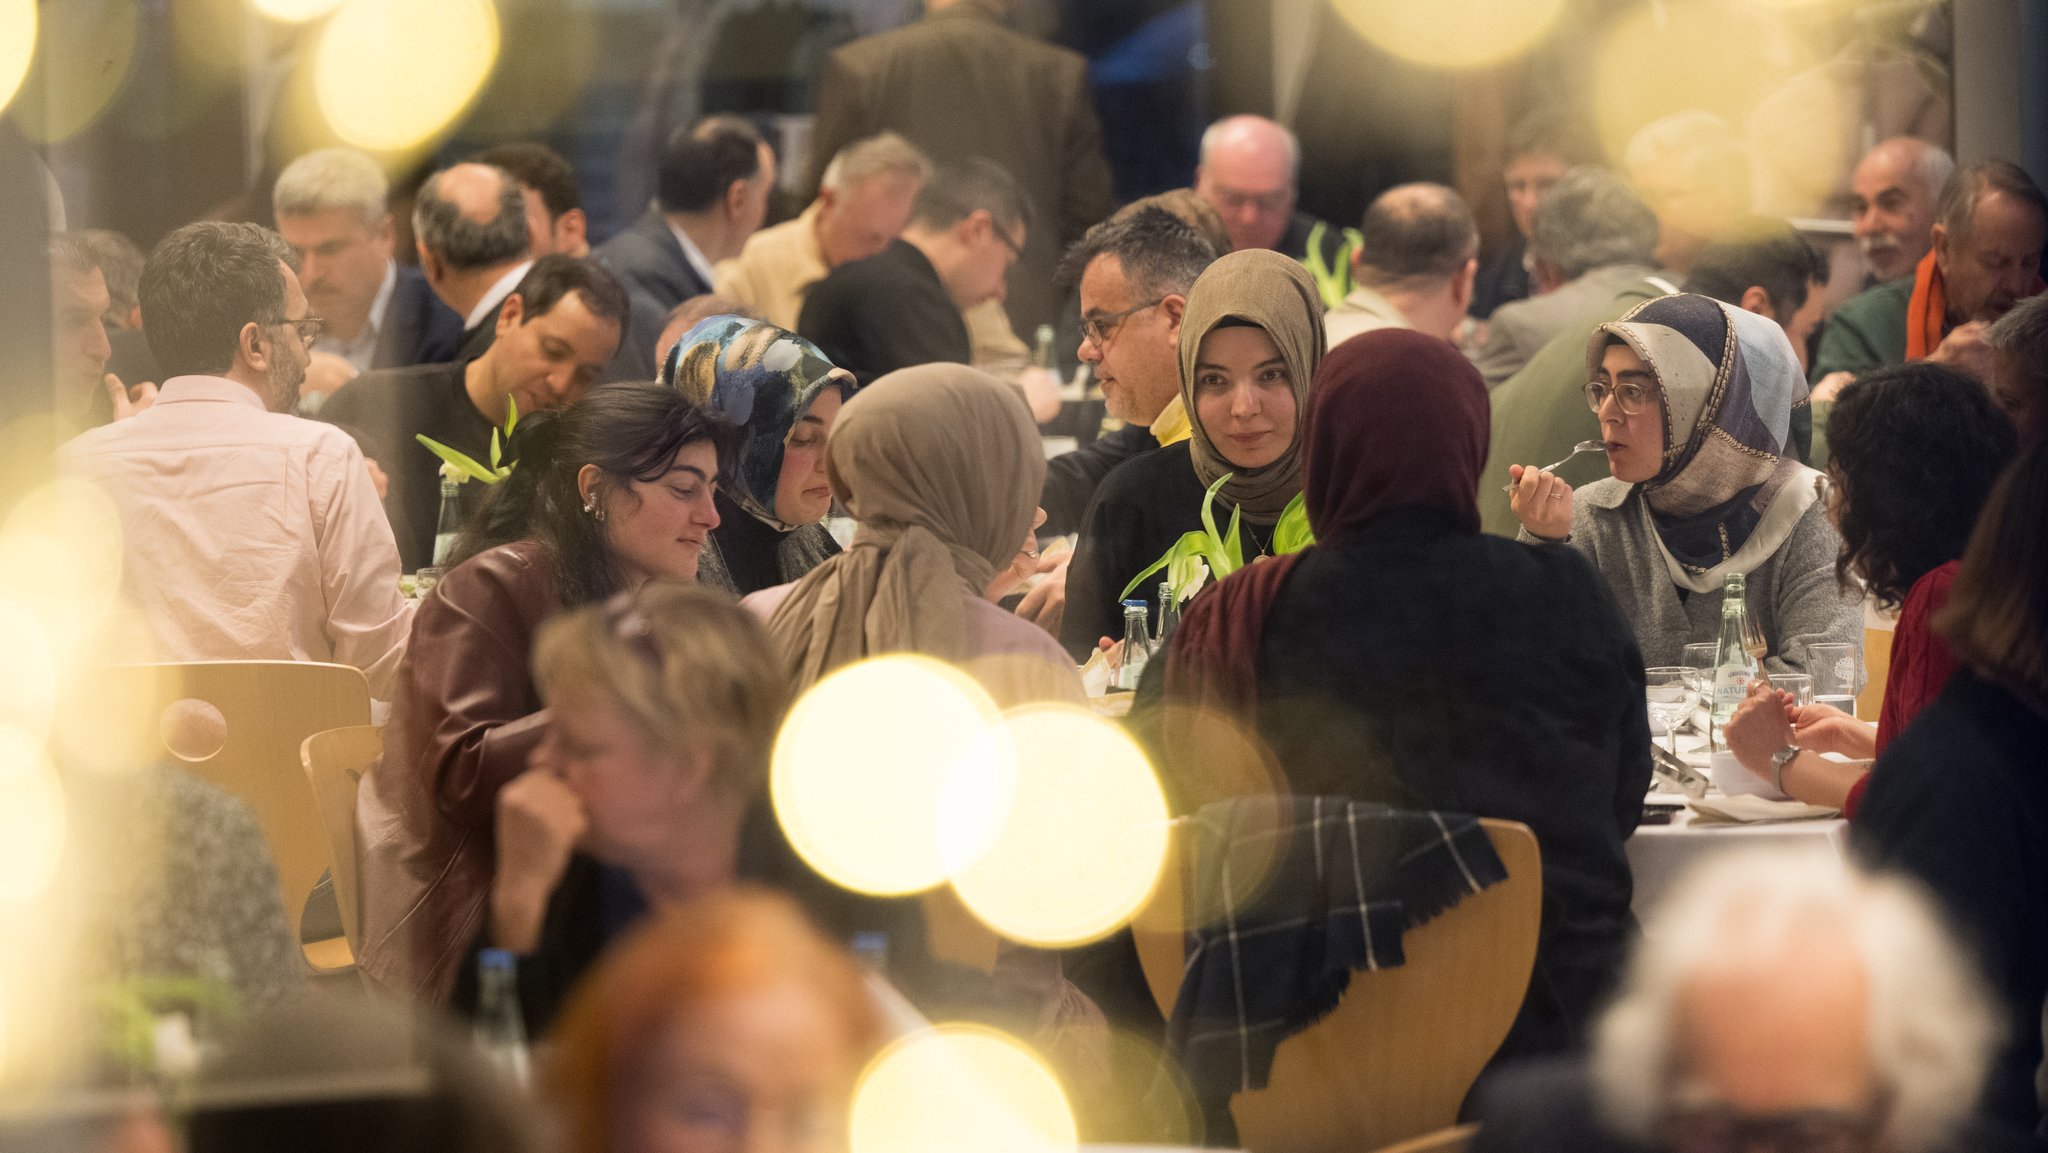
(1409, 659)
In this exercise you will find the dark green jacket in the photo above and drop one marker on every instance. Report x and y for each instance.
(1868, 331)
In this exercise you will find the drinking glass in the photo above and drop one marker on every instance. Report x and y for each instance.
(1699, 657)
(1672, 694)
(1833, 667)
(1798, 684)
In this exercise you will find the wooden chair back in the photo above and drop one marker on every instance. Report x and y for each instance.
(1397, 1056)
(335, 762)
(267, 710)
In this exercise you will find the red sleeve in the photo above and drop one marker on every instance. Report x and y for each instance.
(1921, 662)
(1854, 800)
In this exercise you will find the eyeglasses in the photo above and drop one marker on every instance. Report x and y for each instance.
(1720, 1130)
(309, 327)
(1016, 247)
(1100, 328)
(1630, 398)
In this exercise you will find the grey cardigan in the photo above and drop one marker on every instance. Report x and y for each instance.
(1793, 595)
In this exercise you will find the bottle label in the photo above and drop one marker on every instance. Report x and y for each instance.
(1730, 686)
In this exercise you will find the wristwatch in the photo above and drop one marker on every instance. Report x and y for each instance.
(1779, 760)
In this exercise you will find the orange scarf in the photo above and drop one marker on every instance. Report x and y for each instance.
(1927, 312)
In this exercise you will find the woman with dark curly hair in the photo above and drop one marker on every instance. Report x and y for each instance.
(1915, 452)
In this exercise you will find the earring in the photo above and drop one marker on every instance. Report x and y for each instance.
(595, 512)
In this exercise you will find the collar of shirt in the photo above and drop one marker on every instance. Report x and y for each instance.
(692, 253)
(363, 349)
(495, 295)
(208, 390)
(1371, 303)
(1172, 427)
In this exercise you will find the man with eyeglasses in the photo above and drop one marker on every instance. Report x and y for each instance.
(903, 306)
(1249, 172)
(1779, 1001)
(247, 533)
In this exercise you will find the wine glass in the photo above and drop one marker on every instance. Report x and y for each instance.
(1672, 694)
(1833, 667)
(1699, 657)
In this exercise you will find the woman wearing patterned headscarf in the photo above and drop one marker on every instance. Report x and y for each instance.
(1250, 341)
(784, 396)
(1695, 400)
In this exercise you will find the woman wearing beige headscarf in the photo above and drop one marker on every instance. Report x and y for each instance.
(941, 466)
(1249, 344)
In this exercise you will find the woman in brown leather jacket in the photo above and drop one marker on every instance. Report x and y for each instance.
(613, 493)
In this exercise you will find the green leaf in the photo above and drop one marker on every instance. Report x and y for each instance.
(1293, 533)
(495, 458)
(1209, 502)
(457, 459)
(1191, 544)
(1234, 544)
(511, 416)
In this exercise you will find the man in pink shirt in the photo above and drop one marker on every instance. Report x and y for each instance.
(248, 534)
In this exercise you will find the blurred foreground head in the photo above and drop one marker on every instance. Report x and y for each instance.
(1781, 995)
(728, 1023)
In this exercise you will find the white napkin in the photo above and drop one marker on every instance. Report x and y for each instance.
(1754, 810)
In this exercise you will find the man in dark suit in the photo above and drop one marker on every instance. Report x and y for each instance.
(713, 194)
(331, 208)
(902, 307)
(555, 333)
(960, 84)
(469, 224)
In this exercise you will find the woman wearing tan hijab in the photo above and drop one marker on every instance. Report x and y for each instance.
(1249, 345)
(941, 465)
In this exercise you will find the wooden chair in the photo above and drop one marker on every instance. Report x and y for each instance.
(1877, 667)
(269, 709)
(1397, 1056)
(1442, 1141)
(335, 762)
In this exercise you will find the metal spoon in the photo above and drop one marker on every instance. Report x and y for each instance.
(1582, 446)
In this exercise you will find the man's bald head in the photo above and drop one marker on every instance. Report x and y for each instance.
(1892, 194)
(1416, 232)
(472, 216)
(1247, 173)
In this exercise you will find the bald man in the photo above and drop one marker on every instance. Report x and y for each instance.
(1892, 194)
(1248, 173)
(1415, 267)
(469, 223)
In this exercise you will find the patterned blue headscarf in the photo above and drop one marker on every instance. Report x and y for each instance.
(761, 378)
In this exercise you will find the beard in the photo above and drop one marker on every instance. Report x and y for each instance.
(286, 375)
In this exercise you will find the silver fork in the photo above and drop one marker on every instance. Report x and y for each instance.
(1581, 447)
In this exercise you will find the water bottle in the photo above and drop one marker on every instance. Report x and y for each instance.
(1734, 668)
(500, 1031)
(448, 525)
(1137, 644)
(1169, 616)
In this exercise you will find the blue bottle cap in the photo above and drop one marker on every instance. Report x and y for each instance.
(496, 958)
(1135, 603)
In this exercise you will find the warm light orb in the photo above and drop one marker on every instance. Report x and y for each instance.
(960, 1087)
(1453, 33)
(31, 817)
(1084, 836)
(82, 63)
(389, 74)
(60, 560)
(1717, 56)
(28, 677)
(889, 775)
(294, 11)
(17, 45)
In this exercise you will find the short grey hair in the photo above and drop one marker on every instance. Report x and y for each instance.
(1932, 1028)
(1592, 219)
(872, 156)
(1213, 135)
(332, 178)
(464, 244)
(1933, 165)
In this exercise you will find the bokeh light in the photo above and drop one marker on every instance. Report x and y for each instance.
(1083, 837)
(960, 1087)
(1717, 56)
(389, 74)
(294, 11)
(60, 561)
(82, 61)
(889, 775)
(1453, 33)
(32, 816)
(17, 45)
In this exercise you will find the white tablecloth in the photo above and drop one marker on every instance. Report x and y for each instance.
(1660, 854)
